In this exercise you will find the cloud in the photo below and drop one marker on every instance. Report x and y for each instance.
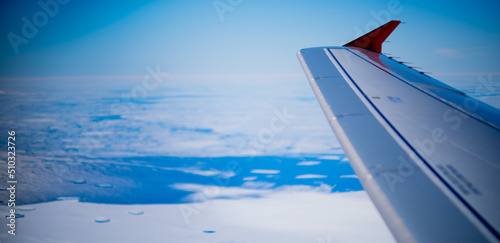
(308, 163)
(259, 171)
(310, 176)
(197, 171)
(450, 52)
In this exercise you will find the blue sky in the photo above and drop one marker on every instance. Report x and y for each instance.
(191, 37)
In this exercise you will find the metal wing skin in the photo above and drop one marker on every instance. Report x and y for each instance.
(427, 154)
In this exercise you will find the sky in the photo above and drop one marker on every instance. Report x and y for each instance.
(452, 40)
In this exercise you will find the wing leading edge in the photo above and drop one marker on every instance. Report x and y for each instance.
(426, 153)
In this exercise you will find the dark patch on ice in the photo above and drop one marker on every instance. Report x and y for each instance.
(102, 220)
(78, 181)
(136, 212)
(17, 215)
(185, 129)
(26, 208)
(104, 118)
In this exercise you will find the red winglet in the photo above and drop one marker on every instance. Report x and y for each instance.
(373, 40)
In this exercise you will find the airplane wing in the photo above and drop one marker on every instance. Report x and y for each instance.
(427, 154)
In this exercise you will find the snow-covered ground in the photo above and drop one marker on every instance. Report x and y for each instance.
(292, 215)
(245, 158)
